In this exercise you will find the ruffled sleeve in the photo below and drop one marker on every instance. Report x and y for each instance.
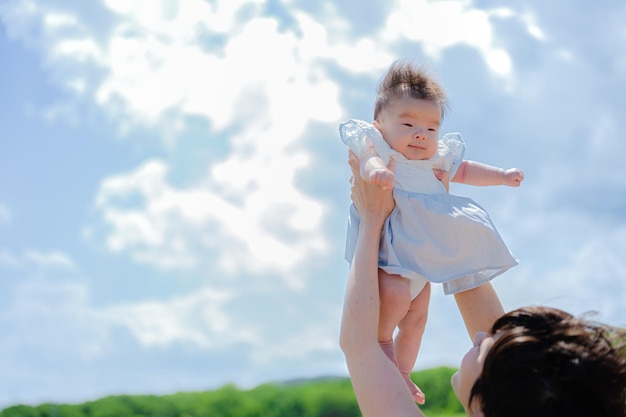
(450, 152)
(361, 136)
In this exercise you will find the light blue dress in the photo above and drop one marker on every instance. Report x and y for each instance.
(430, 235)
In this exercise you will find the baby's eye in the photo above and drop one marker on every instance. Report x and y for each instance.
(407, 124)
(432, 129)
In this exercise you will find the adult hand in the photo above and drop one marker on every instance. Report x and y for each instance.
(444, 177)
(372, 202)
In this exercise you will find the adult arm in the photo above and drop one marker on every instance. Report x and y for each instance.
(378, 386)
(477, 173)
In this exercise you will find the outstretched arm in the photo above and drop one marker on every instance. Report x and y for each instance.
(477, 173)
(378, 386)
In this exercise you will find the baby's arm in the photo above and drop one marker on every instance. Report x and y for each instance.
(477, 173)
(374, 171)
(360, 137)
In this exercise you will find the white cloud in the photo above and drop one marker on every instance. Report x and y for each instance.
(301, 344)
(533, 28)
(47, 311)
(198, 319)
(182, 17)
(595, 271)
(579, 268)
(248, 210)
(199, 58)
(327, 38)
(5, 215)
(59, 313)
(52, 314)
(17, 17)
(156, 72)
(162, 61)
(52, 260)
(438, 25)
(56, 21)
(261, 222)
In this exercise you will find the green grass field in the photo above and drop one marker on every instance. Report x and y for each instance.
(320, 397)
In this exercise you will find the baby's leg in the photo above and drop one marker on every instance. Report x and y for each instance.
(480, 307)
(409, 339)
(395, 299)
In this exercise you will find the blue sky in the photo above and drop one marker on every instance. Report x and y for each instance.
(174, 193)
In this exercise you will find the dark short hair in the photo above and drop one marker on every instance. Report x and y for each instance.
(404, 78)
(548, 363)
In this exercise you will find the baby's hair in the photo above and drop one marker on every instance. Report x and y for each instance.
(404, 78)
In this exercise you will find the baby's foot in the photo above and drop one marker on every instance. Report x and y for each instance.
(416, 392)
(382, 177)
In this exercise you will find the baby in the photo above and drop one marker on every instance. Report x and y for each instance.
(431, 236)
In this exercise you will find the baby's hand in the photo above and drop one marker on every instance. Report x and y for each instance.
(374, 171)
(381, 177)
(513, 177)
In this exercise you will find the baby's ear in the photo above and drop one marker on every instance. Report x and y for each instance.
(376, 124)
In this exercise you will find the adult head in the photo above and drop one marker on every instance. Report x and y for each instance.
(541, 361)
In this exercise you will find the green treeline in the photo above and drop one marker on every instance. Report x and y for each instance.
(330, 397)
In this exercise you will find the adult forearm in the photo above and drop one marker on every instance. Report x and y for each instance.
(361, 306)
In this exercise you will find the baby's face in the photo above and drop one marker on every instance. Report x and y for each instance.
(411, 127)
